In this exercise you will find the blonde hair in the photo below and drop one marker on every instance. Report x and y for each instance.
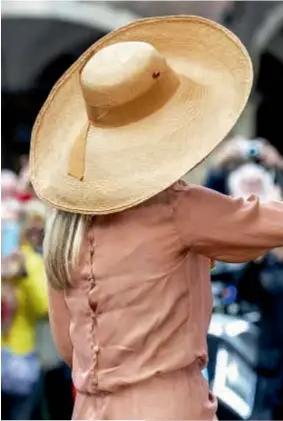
(64, 233)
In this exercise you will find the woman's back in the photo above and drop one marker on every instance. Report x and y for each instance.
(131, 310)
(134, 321)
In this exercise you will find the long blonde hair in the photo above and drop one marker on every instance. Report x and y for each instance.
(64, 233)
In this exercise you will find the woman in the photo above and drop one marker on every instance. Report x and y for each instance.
(128, 247)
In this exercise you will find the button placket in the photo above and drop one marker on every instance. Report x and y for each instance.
(95, 347)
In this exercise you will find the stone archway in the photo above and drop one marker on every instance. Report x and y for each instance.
(34, 32)
(43, 35)
(269, 85)
(257, 25)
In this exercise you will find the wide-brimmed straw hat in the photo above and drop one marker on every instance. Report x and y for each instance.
(138, 110)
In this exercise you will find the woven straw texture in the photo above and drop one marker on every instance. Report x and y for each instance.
(122, 125)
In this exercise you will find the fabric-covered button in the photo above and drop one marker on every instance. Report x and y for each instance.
(93, 306)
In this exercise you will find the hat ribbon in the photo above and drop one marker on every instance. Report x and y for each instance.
(122, 115)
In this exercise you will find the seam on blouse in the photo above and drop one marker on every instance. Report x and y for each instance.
(93, 338)
(186, 249)
(171, 192)
(170, 202)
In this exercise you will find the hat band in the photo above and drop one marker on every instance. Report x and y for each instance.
(153, 100)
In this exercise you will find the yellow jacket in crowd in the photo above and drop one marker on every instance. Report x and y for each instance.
(31, 293)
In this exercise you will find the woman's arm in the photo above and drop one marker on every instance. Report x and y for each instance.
(226, 229)
(60, 322)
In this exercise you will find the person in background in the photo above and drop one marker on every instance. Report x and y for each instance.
(23, 276)
(33, 220)
(25, 191)
(23, 219)
(10, 269)
(262, 284)
(257, 170)
(9, 185)
(10, 229)
(10, 238)
(16, 187)
(55, 375)
(237, 151)
(253, 178)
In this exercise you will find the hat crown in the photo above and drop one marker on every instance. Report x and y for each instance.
(120, 73)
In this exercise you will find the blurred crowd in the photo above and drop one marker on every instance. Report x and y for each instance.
(35, 383)
(243, 167)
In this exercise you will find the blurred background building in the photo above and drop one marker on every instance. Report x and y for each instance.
(40, 39)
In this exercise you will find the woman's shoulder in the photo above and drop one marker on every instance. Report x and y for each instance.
(180, 185)
(189, 189)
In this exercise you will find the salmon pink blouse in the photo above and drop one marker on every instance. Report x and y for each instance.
(141, 301)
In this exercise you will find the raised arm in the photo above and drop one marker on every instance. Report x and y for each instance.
(223, 228)
(60, 323)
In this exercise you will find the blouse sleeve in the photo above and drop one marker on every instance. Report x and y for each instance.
(224, 228)
(60, 323)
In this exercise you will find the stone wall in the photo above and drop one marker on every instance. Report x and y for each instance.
(210, 9)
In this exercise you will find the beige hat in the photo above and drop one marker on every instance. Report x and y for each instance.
(140, 108)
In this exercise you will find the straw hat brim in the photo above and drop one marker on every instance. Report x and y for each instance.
(127, 165)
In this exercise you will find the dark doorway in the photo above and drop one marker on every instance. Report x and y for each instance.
(269, 122)
(20, 109)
